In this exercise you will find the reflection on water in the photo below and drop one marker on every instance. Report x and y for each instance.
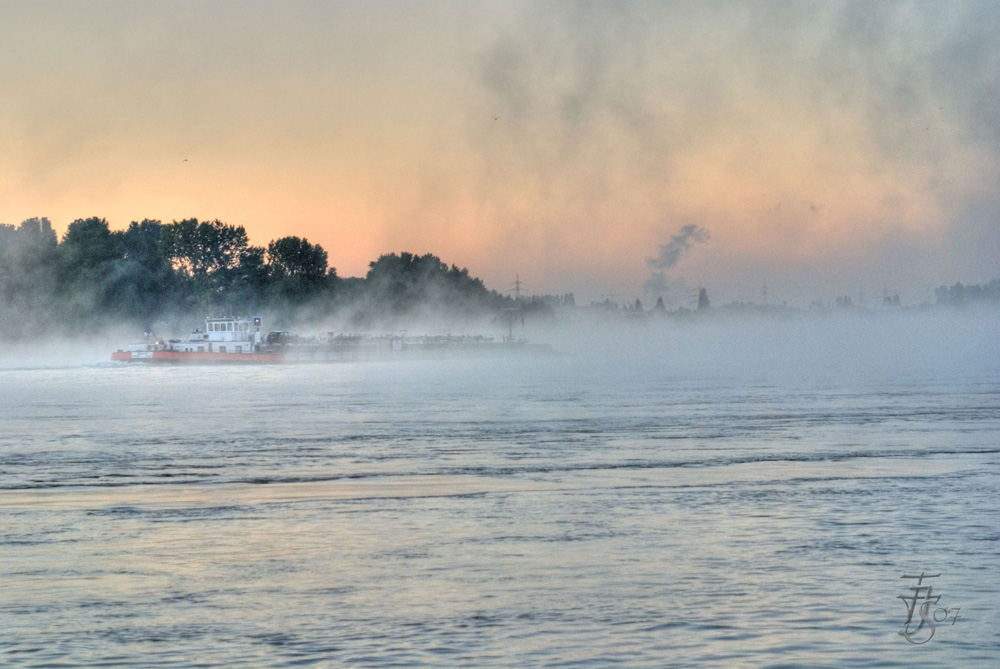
(487, 514)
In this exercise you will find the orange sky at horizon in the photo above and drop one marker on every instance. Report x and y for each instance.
(562, 142)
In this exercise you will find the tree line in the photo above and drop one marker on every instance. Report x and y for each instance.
(153, 271)
(959, 294)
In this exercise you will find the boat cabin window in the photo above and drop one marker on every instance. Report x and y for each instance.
(231, 326)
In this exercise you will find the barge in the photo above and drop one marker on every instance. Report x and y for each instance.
(239, 340)
(225, 340)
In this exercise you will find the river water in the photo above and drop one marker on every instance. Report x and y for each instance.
(552, 511)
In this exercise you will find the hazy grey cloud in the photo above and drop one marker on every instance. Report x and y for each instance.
(665, 75)
(611, 101)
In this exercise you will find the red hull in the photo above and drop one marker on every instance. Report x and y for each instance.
(179, 356)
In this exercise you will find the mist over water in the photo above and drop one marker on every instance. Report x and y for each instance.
(798, 345)
(655, 493)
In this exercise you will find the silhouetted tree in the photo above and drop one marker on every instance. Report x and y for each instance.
(298, 269)
(91, 276)
(250, 281)
(27, 277)
(208, 254)
(401, 283)
(147, 284)
(87, 244)
(200, 249)
(702, 299)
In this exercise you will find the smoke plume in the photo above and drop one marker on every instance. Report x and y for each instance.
(671, 252)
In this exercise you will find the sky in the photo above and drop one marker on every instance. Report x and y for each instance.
(602, 148)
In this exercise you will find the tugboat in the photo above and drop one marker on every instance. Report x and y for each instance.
(225, 340)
